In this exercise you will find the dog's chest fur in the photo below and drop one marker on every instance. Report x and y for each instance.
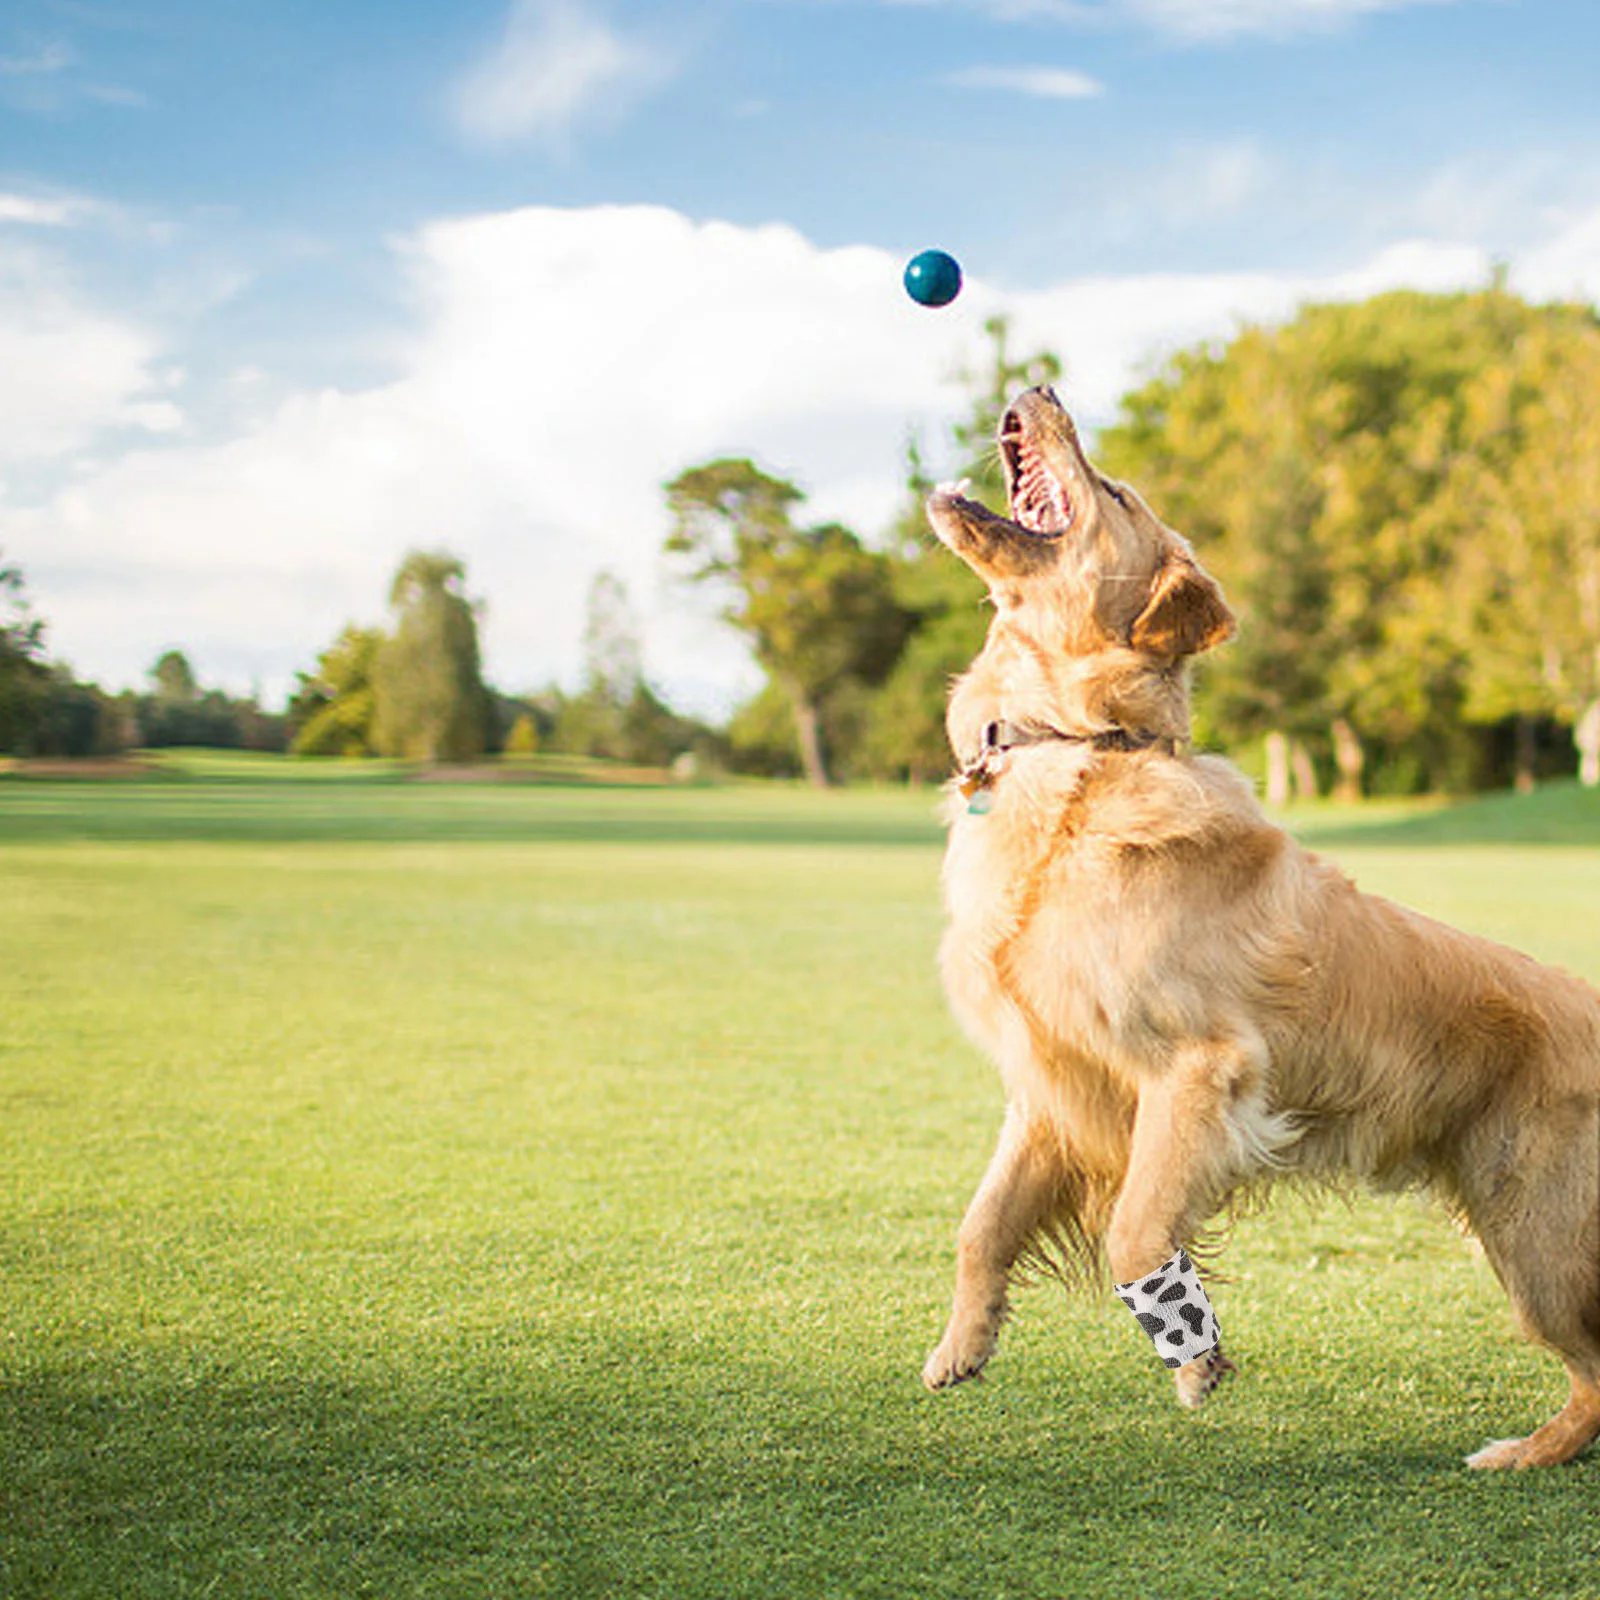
(1107, 913)
(1065, 947)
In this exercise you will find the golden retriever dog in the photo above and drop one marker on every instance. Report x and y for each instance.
(1182, 1003)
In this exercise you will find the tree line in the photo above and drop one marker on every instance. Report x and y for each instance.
(1400, 495)
(416, 691)
(1402, 498)
(47, 710)
(412, 690)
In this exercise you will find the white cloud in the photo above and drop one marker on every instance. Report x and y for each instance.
(1111, 330)
(1187, 20)
(46, 59)
(1222, 19)
(1565, 266)
(550, 389)
(1043, 83)
(68, 370)
(47, 78)
(116, 94)
(55, 210)
(1194, 184)
(557, 64)
(34, 212)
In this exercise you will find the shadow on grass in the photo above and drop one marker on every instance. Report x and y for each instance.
(625, 1469)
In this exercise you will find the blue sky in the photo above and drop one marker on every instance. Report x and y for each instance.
(286, 288)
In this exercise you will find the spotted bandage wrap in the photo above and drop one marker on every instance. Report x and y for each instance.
(1171, 1305)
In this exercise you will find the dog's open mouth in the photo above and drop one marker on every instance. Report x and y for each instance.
(1049, 491)
(1040, 504)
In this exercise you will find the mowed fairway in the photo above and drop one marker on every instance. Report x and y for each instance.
(428, 1190)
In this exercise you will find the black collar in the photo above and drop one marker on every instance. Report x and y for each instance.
(998, 736)
(1001, 736)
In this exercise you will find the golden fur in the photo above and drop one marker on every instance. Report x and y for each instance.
(1183, 1004)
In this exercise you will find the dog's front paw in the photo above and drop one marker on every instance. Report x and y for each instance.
(1195, 1381)
(960, 1355)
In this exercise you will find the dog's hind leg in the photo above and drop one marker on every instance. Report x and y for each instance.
(1541, 1232)
(1569, 1432)
(1200, 1127)
(1014, 1197)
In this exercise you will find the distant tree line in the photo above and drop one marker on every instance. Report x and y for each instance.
(413, 690)
(46, 710)
(417, 692)
(1401, 497)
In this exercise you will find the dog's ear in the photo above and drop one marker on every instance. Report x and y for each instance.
(1185, 613)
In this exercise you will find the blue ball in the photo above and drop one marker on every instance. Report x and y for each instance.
(933, 278)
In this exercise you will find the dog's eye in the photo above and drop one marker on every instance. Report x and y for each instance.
(1115, 493)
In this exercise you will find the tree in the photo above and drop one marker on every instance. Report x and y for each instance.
(172, 679)
(1318, 468)
(1530, 586)
(1557, 483)
(523, 740)
(595, 721)
(817, 607)
(1225, 445)
(430, 703)
(334, 709)
(617, 716)
(179, 711)
(761, 737)
(23, 673)
(79, 719)
(612, 655)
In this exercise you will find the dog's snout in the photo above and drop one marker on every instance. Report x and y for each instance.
(1033, 407)
(1040, 396)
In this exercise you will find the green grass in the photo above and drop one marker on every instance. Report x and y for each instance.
(1559, 814)
(432, 1190)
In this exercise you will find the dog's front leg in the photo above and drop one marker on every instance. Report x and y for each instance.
(1200, 1126)
(1012, 1199)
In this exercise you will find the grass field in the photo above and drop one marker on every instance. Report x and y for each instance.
(447, 1190)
